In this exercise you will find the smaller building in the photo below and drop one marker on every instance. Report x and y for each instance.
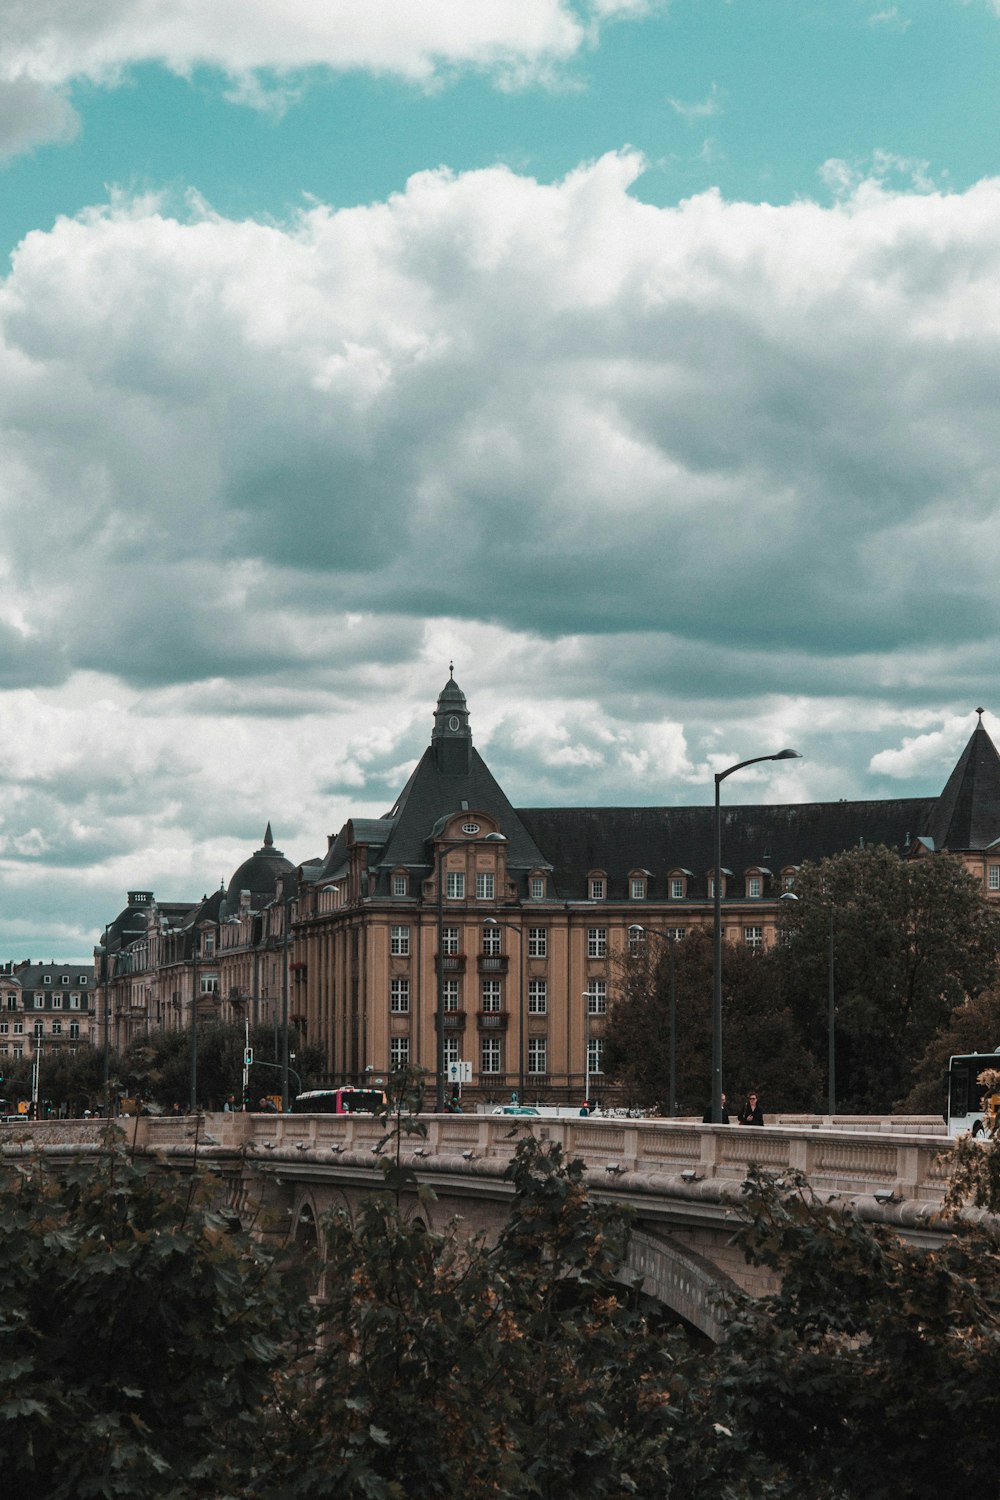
(46, 1005)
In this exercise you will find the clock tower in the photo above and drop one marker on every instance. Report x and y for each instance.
(451, 739)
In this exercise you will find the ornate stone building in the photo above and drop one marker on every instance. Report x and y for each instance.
(510, 919)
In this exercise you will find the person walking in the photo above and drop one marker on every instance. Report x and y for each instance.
(751, 1113)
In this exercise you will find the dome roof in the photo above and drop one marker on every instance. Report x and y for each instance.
(258, 875)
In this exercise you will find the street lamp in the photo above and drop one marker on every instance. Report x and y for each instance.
(831, 1009)
(635, 930)
(720, 777)
(496, 922)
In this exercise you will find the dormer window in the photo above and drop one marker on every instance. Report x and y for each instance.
(400, 885)
(637, 887)
(722, 887)
(536, 887)
(677, 884)
(597, 886)
(755, 879)
(788, 876)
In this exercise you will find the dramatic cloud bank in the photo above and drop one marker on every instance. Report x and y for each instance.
(639, 470)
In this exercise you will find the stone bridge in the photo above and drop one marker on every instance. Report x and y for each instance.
(682, 1180)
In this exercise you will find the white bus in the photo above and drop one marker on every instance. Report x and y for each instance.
(971, 1109)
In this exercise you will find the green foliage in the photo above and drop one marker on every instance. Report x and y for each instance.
(867, 1374)
(913, 940)
(139, 1335)
(762, 1046)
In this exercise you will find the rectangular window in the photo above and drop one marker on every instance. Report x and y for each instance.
(39, 1028)
(399, 997)
(399, 885)
(538, 997)
(597, 942)
(675, 934)
(82, 981)
(597, 998)
(449, 939)
(64, 979)
(399, 941)
(485, 885)
(451, 994)
(754, 886)
(455, 887)
(595, 1055)
(636, 939)
(399, 1052)
(677, 889)
(74, 1031)
(74, 1002)
(490, 1054)
(597, 889)
(18, 1028)
(638, 888)
(993, 881)
(492, 996)
(537, 888)
(57, 1028)
(538, 938)
(57, 1002)
(451, 1050)
(12, 1002)
(491, 941)
(4, 1028)
(753, 936)
(46, 978)
(210, 984)
(538, 1054)
(39, 1002)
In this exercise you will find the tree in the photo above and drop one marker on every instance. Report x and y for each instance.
(140, 1335)
(914, 939)
(869, 1373)
(157, 1065)
(762, 1046)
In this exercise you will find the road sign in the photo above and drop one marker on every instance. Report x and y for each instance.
(459, 1072)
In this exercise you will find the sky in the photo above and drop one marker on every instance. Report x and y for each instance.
(639, 356)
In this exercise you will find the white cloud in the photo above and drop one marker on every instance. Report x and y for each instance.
(54, 41)
(699, 109)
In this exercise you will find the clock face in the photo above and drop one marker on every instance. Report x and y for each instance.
(454, 722)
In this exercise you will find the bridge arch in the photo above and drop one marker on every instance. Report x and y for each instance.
(684, 1281)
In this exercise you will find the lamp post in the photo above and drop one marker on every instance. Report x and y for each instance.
(107, 1028)
(831, 1008)
(496, 922)
(720, 777)
(636, 928)
(195, 940)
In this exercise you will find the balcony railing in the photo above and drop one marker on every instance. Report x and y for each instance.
(492, 1020)
(454, 1020)
(492, 963)
(451, 963)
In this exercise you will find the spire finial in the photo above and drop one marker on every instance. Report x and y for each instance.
(451, 669)
(980, 712)
(268, 837)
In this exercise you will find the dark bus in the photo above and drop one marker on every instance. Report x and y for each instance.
(343, 1101)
